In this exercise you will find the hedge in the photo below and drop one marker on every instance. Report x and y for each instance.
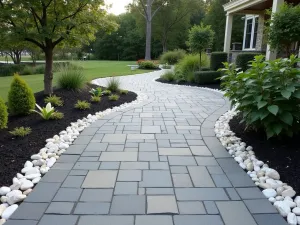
(207, 77)
(217, 59)
(242, 60)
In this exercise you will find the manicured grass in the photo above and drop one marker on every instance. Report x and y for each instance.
(92, 70)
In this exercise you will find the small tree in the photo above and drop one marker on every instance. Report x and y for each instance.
(200, 38)
(284, 28)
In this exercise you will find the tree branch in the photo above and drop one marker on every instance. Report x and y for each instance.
(35, 42)
(75, 13)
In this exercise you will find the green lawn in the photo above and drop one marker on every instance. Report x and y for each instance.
(92, 70)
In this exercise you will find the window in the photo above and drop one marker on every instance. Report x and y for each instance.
(250, 32)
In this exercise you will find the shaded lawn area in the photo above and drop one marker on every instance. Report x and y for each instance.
(92, 70)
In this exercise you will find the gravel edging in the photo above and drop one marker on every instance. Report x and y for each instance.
(40, 163)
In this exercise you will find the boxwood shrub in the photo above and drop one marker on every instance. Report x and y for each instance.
(242, 60)
(172, 57)
(207, 77)
(147, 65)
(217, 59)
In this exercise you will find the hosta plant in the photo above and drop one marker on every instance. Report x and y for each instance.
(45, 112)
(267, 95)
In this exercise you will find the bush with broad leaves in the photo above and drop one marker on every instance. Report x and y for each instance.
(267, 95)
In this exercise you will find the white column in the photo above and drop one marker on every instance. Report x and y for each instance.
(271, 55)
(228, 30)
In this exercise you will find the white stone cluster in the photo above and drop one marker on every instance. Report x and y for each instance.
(41, 162)
(280, 194)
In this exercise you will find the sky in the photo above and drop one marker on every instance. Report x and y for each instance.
(118, 6)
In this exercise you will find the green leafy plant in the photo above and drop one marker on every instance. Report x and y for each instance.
(106, 92)
(45, 112)
(57, 116)
(217, 59)
(20, 131)
(82, 105)
(70, 78)
(267, 94)
(3, 114)
(168, 76)
(28, 70)
(114, 97)
(243, 60)
(95, 98)
(20, 97)
(54, 100)
(207, 77)
(113, 84)
(123, 92)
(96, 91)
(172, 57)
(147, 65)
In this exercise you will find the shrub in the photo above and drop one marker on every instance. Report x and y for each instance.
(45, 112)
(96, 92)
(28, 70)
(20, 97)
(114, 97)
(40, 69)
(95, 98)
(10, 69)
(267, 95)
(172, 57)
(190, 63)
(147, 65)
(54, 100)
(113, 84)
(106, 92)
(243, 59)
(3, 114)
(217, 59)
(168, 76)
(82, 105)
(123, 92)
(57, 116)
(71, 78)
(20, 131)
(207, 77)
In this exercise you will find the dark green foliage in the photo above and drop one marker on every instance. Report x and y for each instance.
(147, 65)
(113, 84)
(10, 69)
(3, 114)
(243, 59)
(28, 70)
(268, 94)
(217, 59)
(70, 77)
(172, 57)
(207, 77)
(20, 97)
(204, 69)
(168, 76)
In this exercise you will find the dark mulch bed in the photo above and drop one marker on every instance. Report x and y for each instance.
(281, 155)
(212, 86)
(15, 151)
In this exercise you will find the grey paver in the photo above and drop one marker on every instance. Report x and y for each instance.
(159, 166)
(200, 176)
(126, 188)
(221, 180)
(242, 215)
(147, 147)
(43, 192)
(190, 208)
(201, 194)
(161, 204)
(100, 179)
(86, 166)
(82, 140)
(115, 148)
(114, 138)
(111, 220)
(148, 156)
(269, 219)
(91, 154)
(260, 206)
(196, 220)
(78, 172)
(233, 194)
(118, 156)
(75, 150)
(200, 150)
(96, 147)
(128, 204)
(68, 159)
(215, 170)
(68, 195)
(240, 180)
(109, 165)
(30, 211)
(211, 207)
(21, 222)
(58, 220)
(134, 165)
(206, 161)
(250, 193)
(182, 180)
(96, 195)
(62, 166)
(130, 175)
(151, 130)
(87, 159)
(60, 207)
(174, 151)
(153, 220)
(92, 208)
(182, 161)
(156, 178)
(160, 191)
(140, 136)
(73, 181)
(178, 169)
(55, 176)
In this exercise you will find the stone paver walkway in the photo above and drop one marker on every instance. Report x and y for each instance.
(158, 163)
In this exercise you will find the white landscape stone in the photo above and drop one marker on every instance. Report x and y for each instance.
(297, 201)
(2, 221)
(32, 176)
(273, 174)
(51, 162)
(27, 184)
(296, 211)
(292, 219)
(28, 164)
(3, 199)
(4, 190)
(269, 193)
(2, 208)
(36, 180)
(36, 157)
(282, 208)
(289, 192)
(9, 211)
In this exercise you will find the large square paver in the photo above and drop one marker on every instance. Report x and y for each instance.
(128, 204)
(156, 178)
(130, 175)
(30, 211)
(126, 188)
(189, 208)
(182, 180)
(96, 195)
(118, 156)
(200, 176)
(43, 192)
(100, 179)
(67, 195)
(161, 204)
(60, 208)
(174, 151)
(147, 147)
(114, 138)
(153, 220)
(106, 220)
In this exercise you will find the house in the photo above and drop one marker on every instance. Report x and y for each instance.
(255, 17)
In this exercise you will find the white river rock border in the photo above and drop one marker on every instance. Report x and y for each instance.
(40, 163)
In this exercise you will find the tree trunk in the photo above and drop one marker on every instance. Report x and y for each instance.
(48, 76)
(18, 57)
(148, 31)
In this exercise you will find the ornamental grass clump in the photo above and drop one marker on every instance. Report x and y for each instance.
(70, 78)
(82, 105)
(113, 84)
(114, 97)
(20, 131)
(20, 97)
(267, 94)
(54, 100)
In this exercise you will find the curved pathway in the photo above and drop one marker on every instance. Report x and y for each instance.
(157, 163)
